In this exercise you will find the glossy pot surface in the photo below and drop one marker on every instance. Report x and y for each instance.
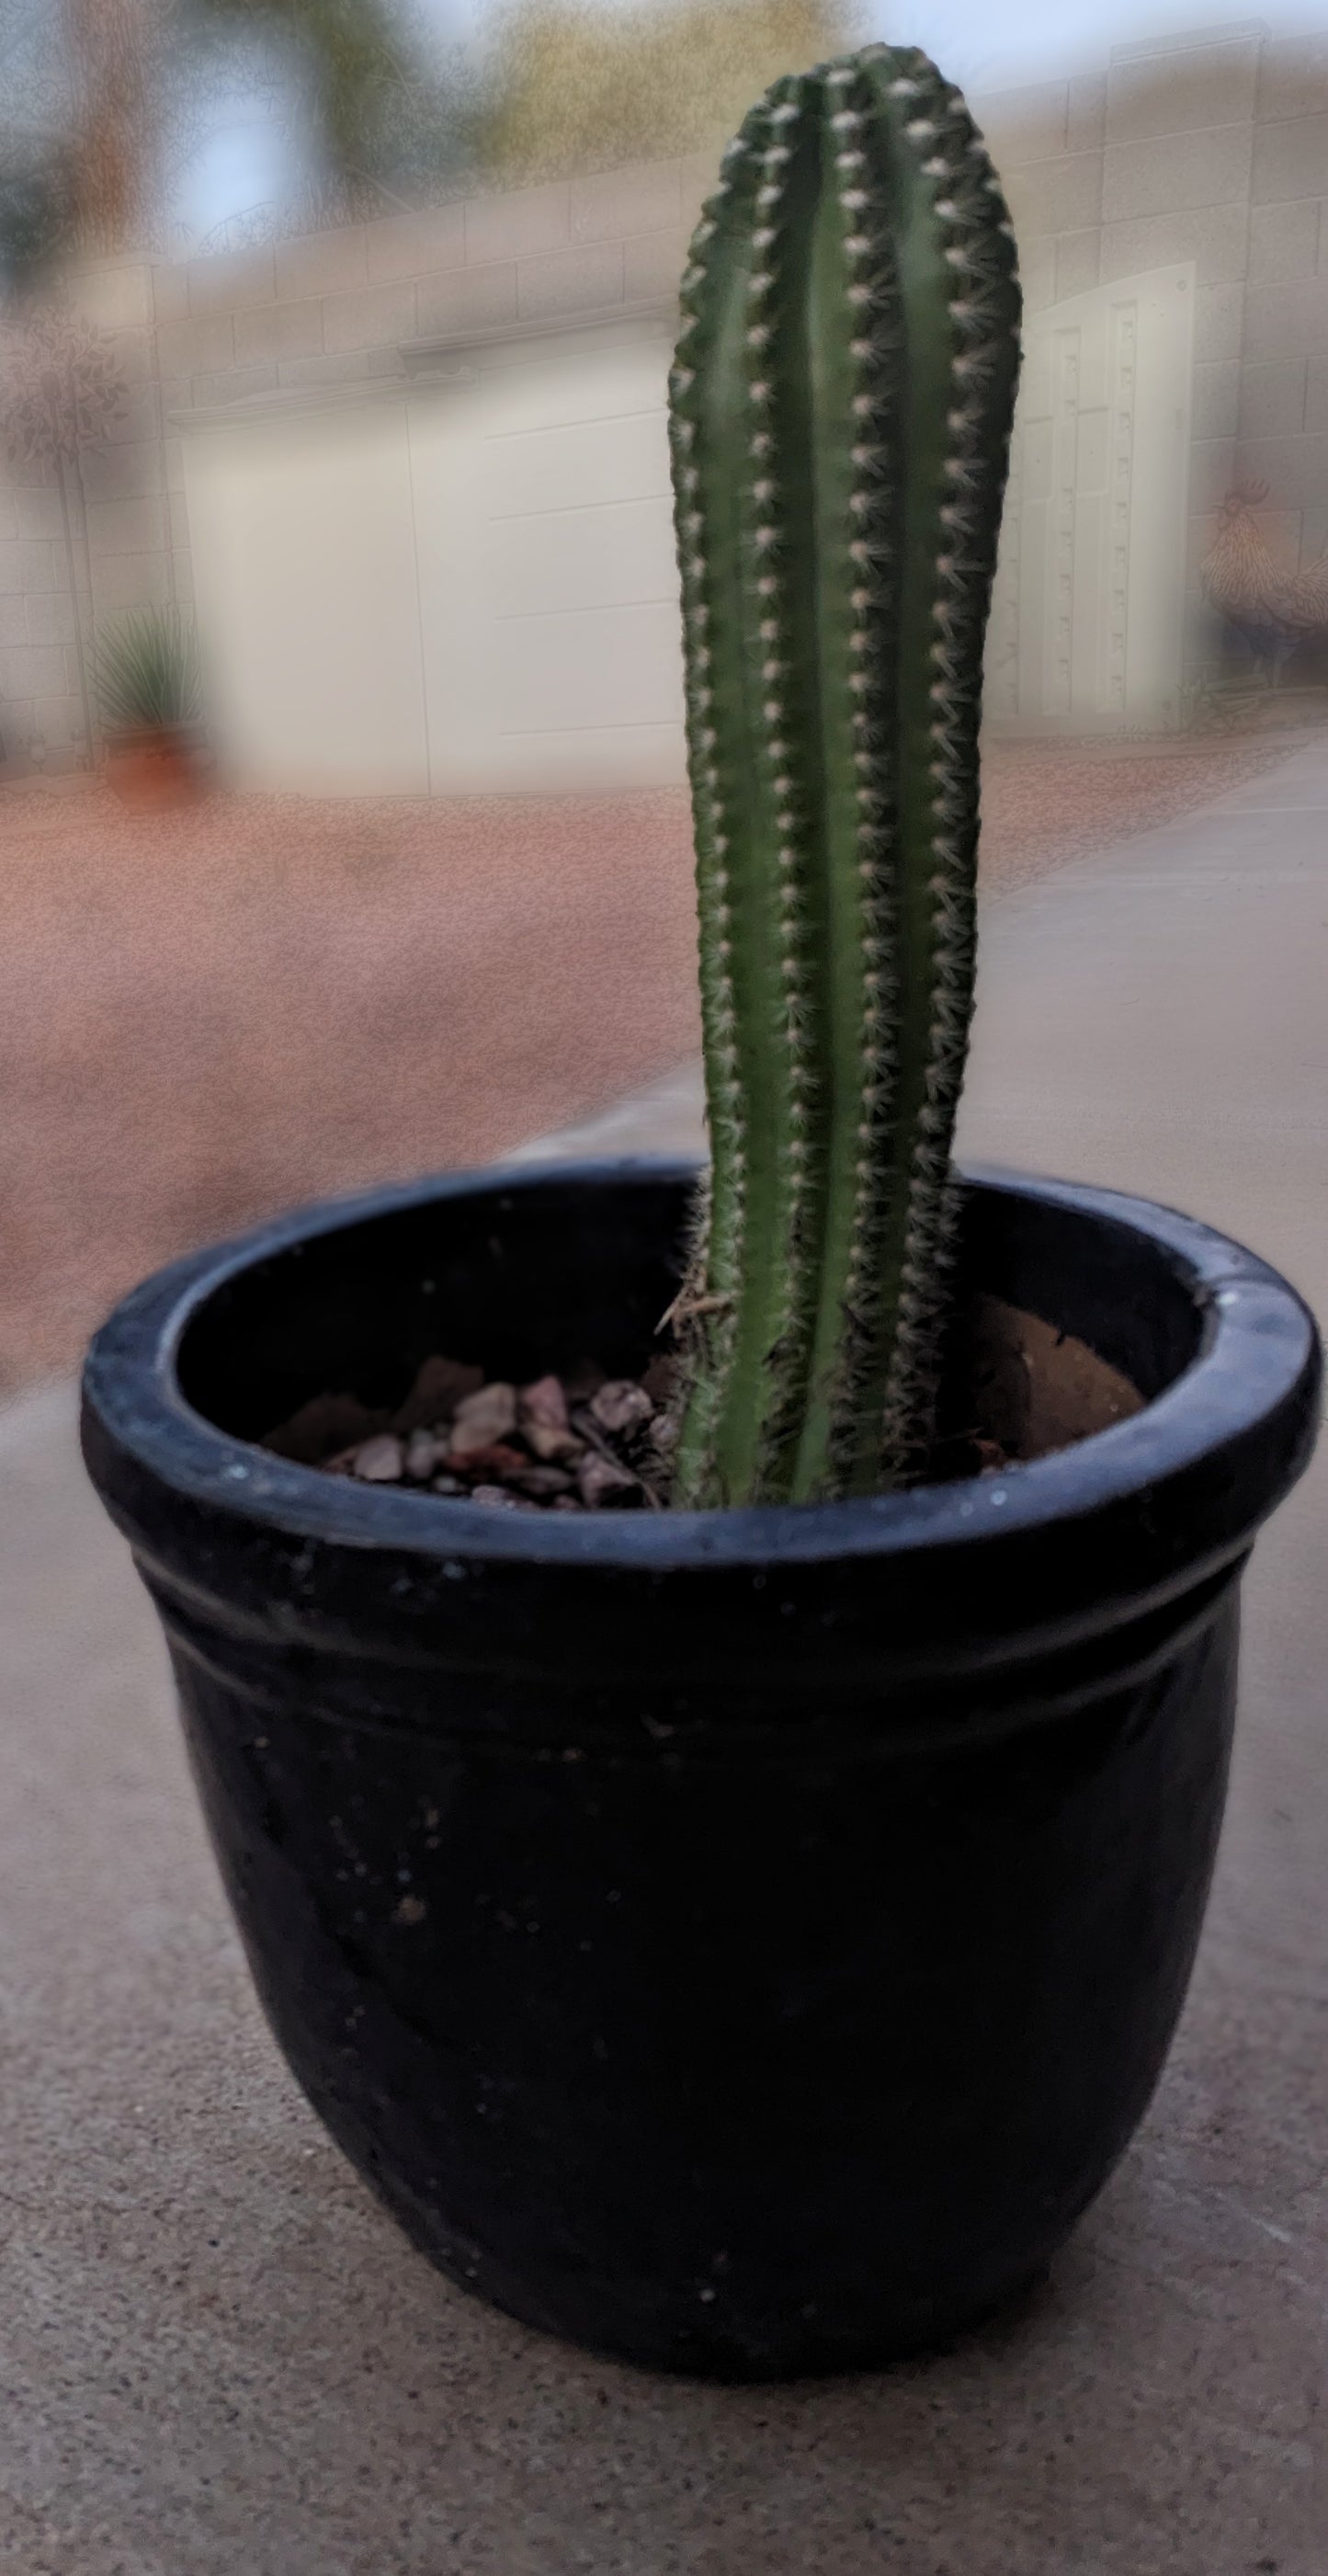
(742, 1942)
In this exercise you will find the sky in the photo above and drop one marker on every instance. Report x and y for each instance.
(983, 44)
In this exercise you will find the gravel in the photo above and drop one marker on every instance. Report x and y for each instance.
(497, 1443)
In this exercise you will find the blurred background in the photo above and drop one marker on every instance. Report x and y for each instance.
(343, 831)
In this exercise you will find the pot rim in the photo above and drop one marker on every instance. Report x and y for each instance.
(1257, 1361)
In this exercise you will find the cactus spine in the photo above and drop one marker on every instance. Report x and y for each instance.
(840, 415)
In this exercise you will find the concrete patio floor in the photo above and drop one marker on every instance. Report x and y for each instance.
(219, 2359)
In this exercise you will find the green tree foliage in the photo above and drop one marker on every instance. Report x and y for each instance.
(581, 85)
(385, 105)
(102, 103)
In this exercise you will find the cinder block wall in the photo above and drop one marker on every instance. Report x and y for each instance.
(1211, 147)
(122, 537)
(37, 678)
(335, 307)
(1282, 422)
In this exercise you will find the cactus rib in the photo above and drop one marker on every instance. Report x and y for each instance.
(840, 409)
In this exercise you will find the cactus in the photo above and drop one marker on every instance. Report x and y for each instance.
(839, 420)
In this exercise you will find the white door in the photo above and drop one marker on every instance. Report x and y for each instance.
(548, 579)
(1087, 624)
(302, 538)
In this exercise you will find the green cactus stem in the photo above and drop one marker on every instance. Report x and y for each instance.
(840, 415)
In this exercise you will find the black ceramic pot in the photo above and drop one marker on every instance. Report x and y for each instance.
(742, 1942)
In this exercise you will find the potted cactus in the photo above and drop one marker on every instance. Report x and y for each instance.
(743, 1935)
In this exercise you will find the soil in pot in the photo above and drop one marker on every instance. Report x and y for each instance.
(585, 1441)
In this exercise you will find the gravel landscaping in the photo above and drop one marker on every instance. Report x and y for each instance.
(207, 1015)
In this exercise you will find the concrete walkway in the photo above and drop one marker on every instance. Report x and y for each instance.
(220, 2360)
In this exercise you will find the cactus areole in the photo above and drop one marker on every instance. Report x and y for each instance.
(840, 415)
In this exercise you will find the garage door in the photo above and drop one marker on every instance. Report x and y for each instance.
(548, 581)
(464, 585)
(302, 538)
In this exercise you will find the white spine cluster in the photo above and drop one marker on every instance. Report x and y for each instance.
(777, 729)
(725, 1093)
(872, 552)
(980, 315)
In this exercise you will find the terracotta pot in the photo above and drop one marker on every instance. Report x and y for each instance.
(154, 770)
(740, 1941)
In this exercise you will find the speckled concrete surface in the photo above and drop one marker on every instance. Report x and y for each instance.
(220, 2360)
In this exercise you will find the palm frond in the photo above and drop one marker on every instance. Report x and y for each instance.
(147, 673)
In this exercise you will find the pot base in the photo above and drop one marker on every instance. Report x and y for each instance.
(775, 2358)
(763, 2351)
